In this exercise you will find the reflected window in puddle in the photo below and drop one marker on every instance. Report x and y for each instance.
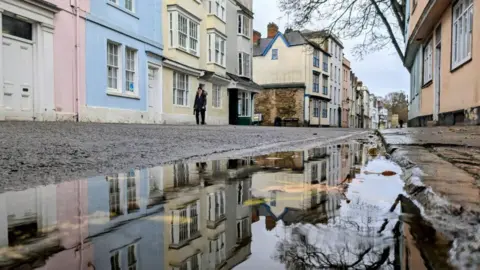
(132, 193)
(132, 257)
(115, 261)
(240, 198)
(216, 205)
(217, 254)
(243, 229)
(180, 175)
(185, 224)
(114, 202)
(192, 263)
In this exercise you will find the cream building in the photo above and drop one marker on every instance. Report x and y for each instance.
(294, 74)
(195, 51)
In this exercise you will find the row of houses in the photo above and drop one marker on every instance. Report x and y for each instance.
(182, 216)
(441, 44)
(305, 77)
(126, 60)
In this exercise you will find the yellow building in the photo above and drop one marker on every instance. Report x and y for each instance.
(442, 43)
(194, 54)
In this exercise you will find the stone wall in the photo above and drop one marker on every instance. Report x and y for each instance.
(285, 103)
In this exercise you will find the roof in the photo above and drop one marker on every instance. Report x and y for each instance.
(244, 8)
(244, 81)
(292, 38)
(322, 33)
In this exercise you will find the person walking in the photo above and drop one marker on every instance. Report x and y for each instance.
(200, 105)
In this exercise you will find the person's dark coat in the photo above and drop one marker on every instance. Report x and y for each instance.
(200, 102)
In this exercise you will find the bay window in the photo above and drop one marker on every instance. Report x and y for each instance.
(462, 25)
(243, 25)
(324, 110)
(244, 104)
(316, 108)
(316, 58)
(316, 83)
(218, 8)
(185, 223)
(183, 32)
(427, 62)
(244, 64)
(180, 89)
(216, 49)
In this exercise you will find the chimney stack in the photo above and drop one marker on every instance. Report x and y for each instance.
(256, 37)
(272, 30)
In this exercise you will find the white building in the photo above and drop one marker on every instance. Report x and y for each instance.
(27, 56)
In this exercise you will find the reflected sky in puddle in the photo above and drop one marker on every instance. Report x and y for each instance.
(293, 210)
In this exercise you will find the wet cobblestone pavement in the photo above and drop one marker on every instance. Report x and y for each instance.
(336, 206)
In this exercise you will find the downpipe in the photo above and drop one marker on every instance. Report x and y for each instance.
(77, 60)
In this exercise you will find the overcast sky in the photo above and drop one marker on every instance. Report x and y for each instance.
(382, 72)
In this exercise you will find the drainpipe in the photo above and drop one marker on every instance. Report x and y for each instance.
(77, 60)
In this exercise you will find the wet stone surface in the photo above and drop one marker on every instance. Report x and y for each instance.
(331, 207)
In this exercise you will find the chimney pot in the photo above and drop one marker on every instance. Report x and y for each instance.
(256, 37)
(272, 30)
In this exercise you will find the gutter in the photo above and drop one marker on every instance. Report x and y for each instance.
(77, 61)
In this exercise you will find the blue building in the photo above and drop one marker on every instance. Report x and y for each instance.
(123, 62)
(126, 220)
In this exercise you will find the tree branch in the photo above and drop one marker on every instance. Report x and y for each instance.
(389, 29)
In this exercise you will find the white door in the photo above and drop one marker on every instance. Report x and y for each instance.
(437, 73)
(153, 92)
(17, 78)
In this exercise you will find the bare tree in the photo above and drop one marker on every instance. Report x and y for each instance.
(381, 23)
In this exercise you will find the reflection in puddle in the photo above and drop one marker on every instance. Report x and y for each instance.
(296, 210)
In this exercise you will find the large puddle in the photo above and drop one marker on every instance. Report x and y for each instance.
(332, 207)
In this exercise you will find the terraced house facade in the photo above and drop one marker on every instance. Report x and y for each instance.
(442, 43)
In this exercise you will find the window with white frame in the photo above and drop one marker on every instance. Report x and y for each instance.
(217, 7)
(132, 257)
(113, 66)
(243, 25)
(184, 32)
(462, 25)
(324, 110)
(185, 223)
(316, 58)
(129, 5)
(216, 205)
(130, 68)
(331, 71)
(244, 64)
(316, 83)
(192, 263)
(244, 104)
(217, 96)
(316, 108)
(428, 62)
(274, 54)
(115, 261)
(180, 89)
(216, 49)
(243, 229)
(216, 251)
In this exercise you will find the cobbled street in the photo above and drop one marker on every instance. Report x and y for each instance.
(43, 153)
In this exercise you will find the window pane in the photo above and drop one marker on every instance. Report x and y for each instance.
(15, 27)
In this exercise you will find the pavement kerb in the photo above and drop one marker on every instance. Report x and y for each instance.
(459, 225)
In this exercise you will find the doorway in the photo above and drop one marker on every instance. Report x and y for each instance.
(437, 72)
(154, 100)
(17, 78)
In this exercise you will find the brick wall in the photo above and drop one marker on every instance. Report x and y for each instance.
(285, 103)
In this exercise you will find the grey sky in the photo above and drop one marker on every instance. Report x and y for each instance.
(382, 72)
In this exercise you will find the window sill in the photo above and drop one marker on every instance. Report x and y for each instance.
(186, 52)
(181, 106)
(216, 108)
(216, 16)
(243, 35)
(124, 10)
(427, 84)
(185, 242)
(216, 64)
(461, 64)
(120, 94)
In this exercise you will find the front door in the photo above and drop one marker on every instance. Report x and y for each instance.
(17, 67)
(437, 72)
(153, 93)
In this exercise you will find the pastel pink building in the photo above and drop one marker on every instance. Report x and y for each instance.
(42, 59)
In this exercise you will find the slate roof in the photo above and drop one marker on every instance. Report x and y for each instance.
(294, 38)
